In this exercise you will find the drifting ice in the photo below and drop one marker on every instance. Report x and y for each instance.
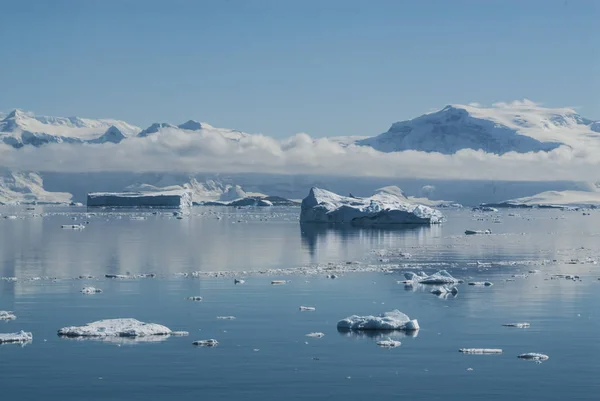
(517, 325)
(73, 226)
(534, 356)
(394, 320)
(307, 308)
(315, 335)
(206, 343)
(321, 206)
(389, 343)
(6, 315)
(440, 278)
(20, 337)
(481, 283)
(91, 290)
(115, 328)
(480, 351)
(477, 232)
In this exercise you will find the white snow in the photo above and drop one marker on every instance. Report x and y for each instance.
(394, 320)
(516, 127)
(6, 315)
(90, 290)
(20, 337)
(534, 356)
(480, 351)
(115, 328)
(177, 199)
(322, 206)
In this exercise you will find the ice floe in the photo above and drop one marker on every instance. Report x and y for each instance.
(206, 343)
(389, 343)
(73, 226)
(383, 208)
(481, 283)
(478, 232)
(316, 335)
(523, 325)
(534, 356)
(19, 337)
(394, 320)
(90, 290)
(307, 308)
(6, 315)
(480, 351)
(278, 282)
(226, 317)
(115, 328)
(194, 298)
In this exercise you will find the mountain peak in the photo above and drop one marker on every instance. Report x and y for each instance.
(15, 114)
(191, 125)
(154, 128)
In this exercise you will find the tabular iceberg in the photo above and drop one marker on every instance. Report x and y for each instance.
(394, 320)
(115, 328)
(167, 199)
(383, 208)
(20, 337)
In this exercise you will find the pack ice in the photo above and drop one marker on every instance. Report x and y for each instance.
(394, 320)
(115, 328)
(321, 206)
(20, 337)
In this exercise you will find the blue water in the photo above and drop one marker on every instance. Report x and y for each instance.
(264, 353)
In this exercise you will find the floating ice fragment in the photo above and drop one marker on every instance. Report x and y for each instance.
(480, 351)
(180, 333)
(226, 317)
(206, 343)
(307, 308)
(238, 281)
(445, 290)
(315, 335)
(332, 276)
(441, 277)
(6, 315)
(73, 226)
(481, 283)
(534, 356)
(517, 325)
(116, 276)
(478, 232)
(115, 328)
(20, 337)
(278, 282)
(90, 290)
(394, 320)
(389, 343)
(195, 298)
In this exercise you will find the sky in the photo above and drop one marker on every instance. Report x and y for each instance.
(327, 68)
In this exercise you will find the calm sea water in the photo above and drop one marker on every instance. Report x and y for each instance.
(264, 354)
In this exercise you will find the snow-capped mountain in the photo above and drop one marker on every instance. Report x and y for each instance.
(516, 127)
(19, 128)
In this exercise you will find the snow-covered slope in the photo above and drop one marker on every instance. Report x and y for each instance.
(556, 199)
(20, 128)
(518, 127)
(18, 187)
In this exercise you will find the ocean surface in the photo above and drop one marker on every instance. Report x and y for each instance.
(264, 354)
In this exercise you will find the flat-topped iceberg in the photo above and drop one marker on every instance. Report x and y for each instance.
(165, 199)
(383, 208)
(394, 320)
(116, 328)
(20, 337)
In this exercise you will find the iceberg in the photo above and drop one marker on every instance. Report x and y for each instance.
(165, 199)
(90, 290)
(383, 208)
(533, 356)
(440, 278)
(6, 315)
(394, 320)
(115, 328)
(316, 335)
(20, 337)
(206, 343)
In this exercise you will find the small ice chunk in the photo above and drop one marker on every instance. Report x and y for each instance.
(481, 283)
(226, 317)
(6, 315)
(238, 281)
(480, 351)
(332, 276)
(389, 343)
(307, 308)
(206, 343)
(517, 325)
(20, 337)
(195, 298)
(116, 276)
(180, 333)
(315, 335)
(478, 232)
(115, 328)
(90, 290)
(534, 356)
(440, 277)
(73, 226)
(278, 282)
(394, 320)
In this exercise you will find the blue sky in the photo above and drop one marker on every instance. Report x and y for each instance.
(325, 67)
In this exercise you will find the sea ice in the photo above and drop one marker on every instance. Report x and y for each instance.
(480, 351)
(6, 315)
(91, 290)
(533, 356)
(206, 343)
(394, 320)
(20, 337)
(115, 328)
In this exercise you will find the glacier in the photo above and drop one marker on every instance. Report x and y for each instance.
(555, 199)
(383, 208)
